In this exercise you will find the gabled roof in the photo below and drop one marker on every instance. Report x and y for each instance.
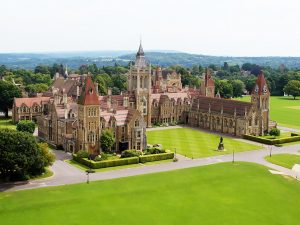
(261, 86)
(29, 102)
(89, 96)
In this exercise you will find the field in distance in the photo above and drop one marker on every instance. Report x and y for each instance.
(284, 110)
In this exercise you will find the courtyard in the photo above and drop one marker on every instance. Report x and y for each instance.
(195, 143)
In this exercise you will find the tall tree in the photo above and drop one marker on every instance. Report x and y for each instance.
(21, 156)
(107, 140)
(238, 88)
(8, 92)
(292, 88)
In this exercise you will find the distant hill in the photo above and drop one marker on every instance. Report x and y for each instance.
(163, 58)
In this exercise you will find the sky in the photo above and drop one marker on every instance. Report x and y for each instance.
(211, 27)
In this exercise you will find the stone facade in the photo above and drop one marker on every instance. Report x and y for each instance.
(28, 108)
(78, 125)
(73, 115)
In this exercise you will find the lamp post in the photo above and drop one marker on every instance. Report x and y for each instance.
(270, 147)
(233, 155)
(87, 177)
(175, 153)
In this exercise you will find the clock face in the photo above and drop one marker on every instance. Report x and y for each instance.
(265, 89)
(256, 88)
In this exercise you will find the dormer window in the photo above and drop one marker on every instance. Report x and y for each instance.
(91, 91)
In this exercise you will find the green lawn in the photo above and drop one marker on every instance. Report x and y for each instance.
(226, 193)
(282, 135)
(285, 160)
(284, 110)
(83, 167)
(7, 123)
(195, 143)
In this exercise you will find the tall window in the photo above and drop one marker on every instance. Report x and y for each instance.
(136, 123)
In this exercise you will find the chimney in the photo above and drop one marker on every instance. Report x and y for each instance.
(66, 112)
(65, 97)
(109, 91)
(77, 92)
(96, 87)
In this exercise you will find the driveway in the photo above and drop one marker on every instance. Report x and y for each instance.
(67, 174)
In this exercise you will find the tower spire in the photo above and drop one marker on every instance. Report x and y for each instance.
(140, 60)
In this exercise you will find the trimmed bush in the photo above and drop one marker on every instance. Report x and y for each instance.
(295, 134)
(82, 154)
(272, 141)
(156, 157)
(130, 153)
(26, 126)
(154, 150)
(106, 163)
(274, 132)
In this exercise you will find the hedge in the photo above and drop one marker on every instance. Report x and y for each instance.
(295, 134)
(156, 157)
(272, 141)
(106, 163)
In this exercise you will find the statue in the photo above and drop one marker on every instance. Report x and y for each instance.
(221, 145)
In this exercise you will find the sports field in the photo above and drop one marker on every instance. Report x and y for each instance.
(284, 110)
(226, 193)
(195, 143)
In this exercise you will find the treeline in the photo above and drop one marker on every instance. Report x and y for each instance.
(230, 80)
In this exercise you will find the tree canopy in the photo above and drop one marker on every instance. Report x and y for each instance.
(26, 126)
(21, 156)
(8, 92)
(107, 140)
(292, 88)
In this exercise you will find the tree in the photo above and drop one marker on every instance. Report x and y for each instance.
(224, 87)
(238, 88)
(250, 83)
(26, 126)
(226, 66)
(292, 88)
(32, 89)
(8, 92)
(107, 140)
(42, 69)
(21, 156)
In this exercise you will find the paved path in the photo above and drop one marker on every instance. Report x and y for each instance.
(287, 129)
(67, 174)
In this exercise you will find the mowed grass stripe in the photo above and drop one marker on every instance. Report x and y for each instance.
(194, 143)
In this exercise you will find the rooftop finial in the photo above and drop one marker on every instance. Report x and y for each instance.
(140, 51)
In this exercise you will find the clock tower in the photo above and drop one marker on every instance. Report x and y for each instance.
(139, 83)
(260, 98)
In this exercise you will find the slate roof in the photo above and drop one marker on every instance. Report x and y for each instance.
(229, 106)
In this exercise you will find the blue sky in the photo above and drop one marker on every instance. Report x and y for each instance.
(214, 27)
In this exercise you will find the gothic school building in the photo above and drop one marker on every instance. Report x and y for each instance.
(73, 115)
